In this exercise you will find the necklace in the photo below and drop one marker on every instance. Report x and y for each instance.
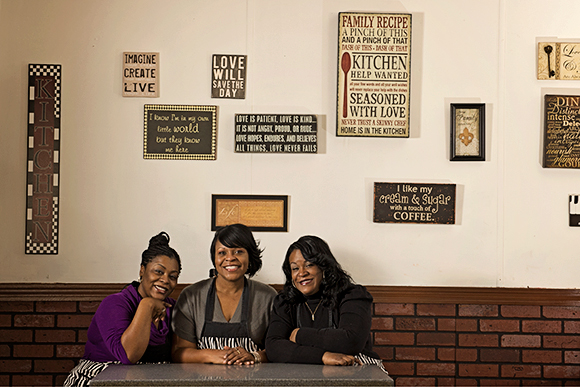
(311, 312)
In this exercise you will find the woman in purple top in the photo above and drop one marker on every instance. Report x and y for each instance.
(134, 325)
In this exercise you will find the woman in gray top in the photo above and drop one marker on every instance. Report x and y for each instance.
(223, 319)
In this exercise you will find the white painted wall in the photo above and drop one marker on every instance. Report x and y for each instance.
(512, 218)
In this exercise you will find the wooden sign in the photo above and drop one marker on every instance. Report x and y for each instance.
(43, 166)
(276, 133)
(228, 76)
(414, 203)
(558, 60)
(258, 212)
(562, 131)
(180, 132)
(140, 74)
(374, 73)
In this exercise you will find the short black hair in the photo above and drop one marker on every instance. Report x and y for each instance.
(239, 235)
(159, 245)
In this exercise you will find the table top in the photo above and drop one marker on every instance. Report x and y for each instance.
(266, 374)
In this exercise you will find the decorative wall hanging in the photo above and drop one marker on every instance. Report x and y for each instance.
(43, 167)
(276, 133)
(467, 132)
(414, 203)
(140, 74)
(558, 60)
(258, 212)
(228, 76)
(374, 73)
(180, 132)
(574, 210)
(562, 131)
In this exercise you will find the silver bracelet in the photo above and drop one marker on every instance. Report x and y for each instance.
(257, 357)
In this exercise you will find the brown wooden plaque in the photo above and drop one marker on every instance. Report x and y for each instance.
(258, 212)
(414, 203)
(559, 60)
(140, 74)
(562, 131)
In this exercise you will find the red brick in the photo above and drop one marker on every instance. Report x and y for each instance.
(561, 372)
(53, 366)
(436, 369)
(478, 370)
(15, 366)
(15, 335)
(4, 351)
(16, 306)
(54, 336)
(466, 325)
(521, 371)
(5, 380)
(59, 379)
(571, 341)
(32, 380)
(414, 324)
(466, 354)
(399, 368)
(436, 338)
(415, 381)
(499, 325)
(520, 311)
(478, 340)
(541, 356)
(394, 309)
(89, 306)
(76, 351)
(562, 312)
(5, 320)
(33, 350)
(74, 321)
(525, 341)
(446, 354)
(535, 326)
(82, 336)
(466, 382)
(34, 320)
(382, 324)
(414, 353)
(478, 310)
(571, 357)
(385, 353)
(446, 324)
(394, 338)
(571, 326)
(56, 306)
(435, 309)
(500, 382)
(488, 355)
(446, 382)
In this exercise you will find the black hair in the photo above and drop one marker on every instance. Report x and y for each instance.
(238, 235)
(159, 245)
(334, 279)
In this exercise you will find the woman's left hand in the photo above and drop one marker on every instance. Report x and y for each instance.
(293, 335)
(238, 355)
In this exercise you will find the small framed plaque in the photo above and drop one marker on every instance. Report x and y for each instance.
(467, 132)
(258, 212)
(561, 139)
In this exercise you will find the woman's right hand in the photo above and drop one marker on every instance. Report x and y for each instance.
(339, 359)
(157, 308)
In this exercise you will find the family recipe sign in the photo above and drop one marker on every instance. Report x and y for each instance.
(374, 71)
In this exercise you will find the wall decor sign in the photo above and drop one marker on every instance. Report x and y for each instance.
(414, 203)
(258, 212)
(140, 74)
(467, 132)
(43, 156)
(374, 74)
(228, 76)
(562, 131)
(276, 133)
(574, 210)
(180, 132)
(559, 60)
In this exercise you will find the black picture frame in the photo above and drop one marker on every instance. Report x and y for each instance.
(467, 132)
(271, 211)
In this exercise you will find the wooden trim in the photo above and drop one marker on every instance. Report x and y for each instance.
(382, 294)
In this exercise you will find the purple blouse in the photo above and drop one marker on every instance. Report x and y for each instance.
(110, 321)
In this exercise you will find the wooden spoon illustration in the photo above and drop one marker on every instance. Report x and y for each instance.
(345, 65)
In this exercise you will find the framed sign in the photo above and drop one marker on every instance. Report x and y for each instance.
(276, 133)
(561, 131)
(574, 211)
(258, 212)
(467, 132)
(180, 132)
(374, 74)
(140, 74)
(559, 60)
(414, 203)
(228, 76)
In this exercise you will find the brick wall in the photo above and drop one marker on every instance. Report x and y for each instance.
(425, 335)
